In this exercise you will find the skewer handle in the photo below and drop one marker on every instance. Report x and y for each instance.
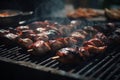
(55, 57)
(29, 50)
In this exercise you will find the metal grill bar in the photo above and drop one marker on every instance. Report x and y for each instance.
(27, 59)
(18, 56)
(2, 45)
(45, 61)
(23, 57)
(12, 55)
(118, 77)
(93, 65)
(98, 65)
(85, 68)
(108, 69)
(49, 63)
(8, 51)
(112, 73)
(105, 65)
(1, 51)
(53, 65)
(74, 69)
(90, 70)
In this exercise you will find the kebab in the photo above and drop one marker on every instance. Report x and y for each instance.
(28, 36)
(78, 54)
(59, 43)
(56, 44)
(51, 45)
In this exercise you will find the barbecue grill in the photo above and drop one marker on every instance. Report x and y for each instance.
(105, 66)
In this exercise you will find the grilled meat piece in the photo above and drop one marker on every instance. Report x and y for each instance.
(80, 34)
(113, 14)
(37, 24)
(70, 55)
(20, 28)
(48, 35)
(102, 38)
(90, 30)
(83, 52)
(52, 34)
(89, 48)
(43, 24)
(67, 55)
(95, 42)
(42, 36)
(70, 41)
(105, 29)
(11, 36)
(83, 13)
(94, 45)
(4, 32)
(65, 31)
(94, 49)
(39, 48)
(115, 37)
(13, 30)
(57, 44)
(26, 33)
(26, 42)
(40, 30)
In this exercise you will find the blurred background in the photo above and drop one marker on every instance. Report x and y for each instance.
(99, 4)
(56, 8)
(27, 5)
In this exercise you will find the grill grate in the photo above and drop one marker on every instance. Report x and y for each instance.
(105, 67)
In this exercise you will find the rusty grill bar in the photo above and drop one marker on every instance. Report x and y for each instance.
(106, 67)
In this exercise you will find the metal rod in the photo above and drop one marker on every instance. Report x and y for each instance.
(106, 64)
(112, 73)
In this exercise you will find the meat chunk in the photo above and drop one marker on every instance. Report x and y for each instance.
(11, 36)
(20, 28)
(67, 55)
(4, 32)
(57, 44)
(26, 42)
(39, 48)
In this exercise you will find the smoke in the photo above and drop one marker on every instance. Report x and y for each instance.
(51, 9)
(48, 7)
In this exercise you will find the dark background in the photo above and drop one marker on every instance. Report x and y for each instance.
(28, 5)
(24, 5)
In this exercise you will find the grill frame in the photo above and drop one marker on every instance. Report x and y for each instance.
(39, 65)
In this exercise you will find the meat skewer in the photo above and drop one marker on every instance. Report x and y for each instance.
(41, 47)
(89, 48)
(42, 37)
(29, 39)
